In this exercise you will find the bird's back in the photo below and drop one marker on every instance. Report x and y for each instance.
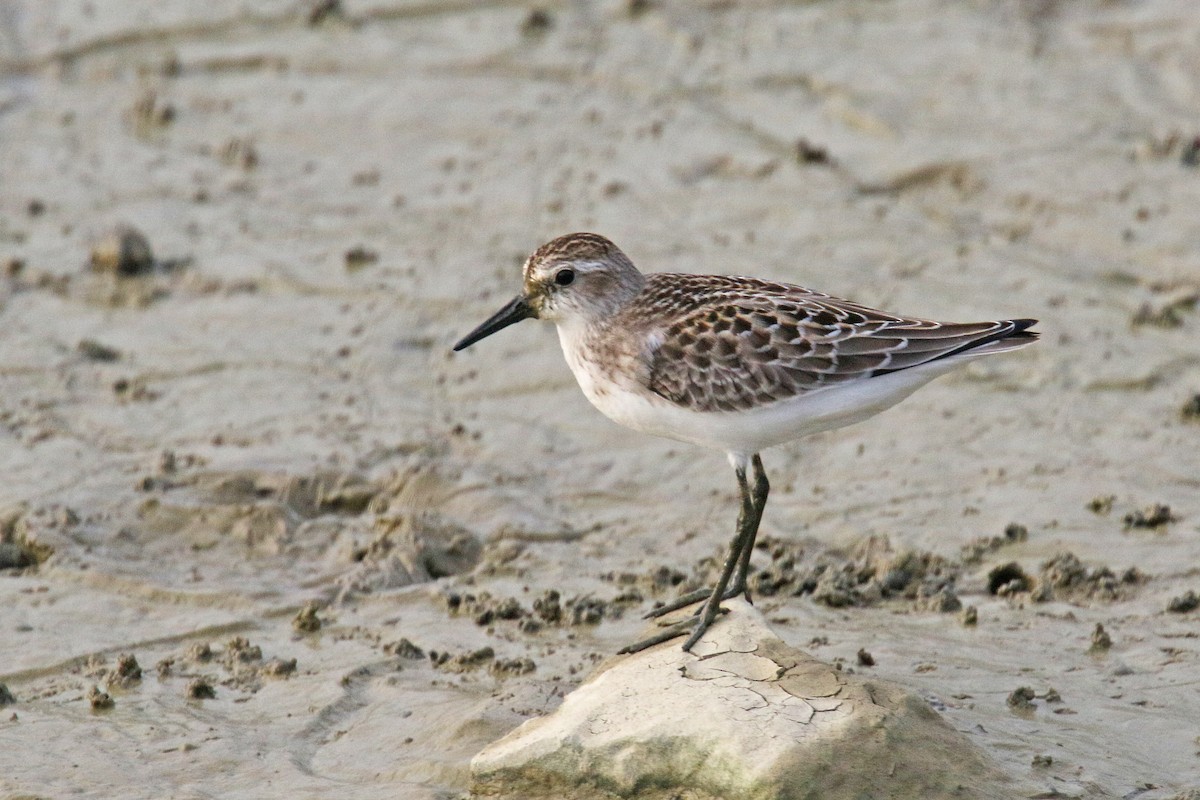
(716, 343)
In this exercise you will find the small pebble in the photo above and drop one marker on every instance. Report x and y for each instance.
(1152, 517)
(404, 649)
(307, 621)
(14, 556)
(99, 700)
(279, 667)
(127, 671)
(809, 153)
(321, 10)
(1021, 699)
(359, 257)
(1188, 601)
(1191, 409)
(1016, 532)
(537, 22)
(201, 651)
(124, 251)
(95, 351)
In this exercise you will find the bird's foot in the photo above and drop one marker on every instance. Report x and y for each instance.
(683, 601)
(697, 624)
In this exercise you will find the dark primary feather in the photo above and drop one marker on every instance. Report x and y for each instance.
(737, 343)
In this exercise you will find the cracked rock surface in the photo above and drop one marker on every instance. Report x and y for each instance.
(743, 716)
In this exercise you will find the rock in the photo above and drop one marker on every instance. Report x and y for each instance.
(404, 649)
(122, 251)
(745, 716)
(14, 556)
(307, 621)
(279, 667)
(96, 351)
(127, 672)
(99, 699)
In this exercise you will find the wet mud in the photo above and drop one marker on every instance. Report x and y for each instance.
(261, 532)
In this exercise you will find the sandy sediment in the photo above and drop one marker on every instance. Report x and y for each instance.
(256, 412)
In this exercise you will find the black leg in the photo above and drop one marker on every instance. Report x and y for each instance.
(761, 488)
(749, 516)
(665, 635)
(743, 543)
(736, 562)
(683, 601)
(744, 514)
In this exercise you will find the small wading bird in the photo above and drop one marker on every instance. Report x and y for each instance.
(734, 364)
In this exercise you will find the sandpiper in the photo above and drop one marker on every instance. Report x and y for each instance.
(730, 363)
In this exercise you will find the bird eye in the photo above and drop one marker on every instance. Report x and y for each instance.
(564, 277)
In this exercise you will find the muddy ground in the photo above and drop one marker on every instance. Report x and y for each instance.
(343, 559)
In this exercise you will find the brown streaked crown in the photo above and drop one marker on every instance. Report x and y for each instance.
(575, 246)
(602, 278)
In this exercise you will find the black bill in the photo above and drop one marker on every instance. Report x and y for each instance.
(516, 310)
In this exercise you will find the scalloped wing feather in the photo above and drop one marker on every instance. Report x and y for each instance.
(738, 343)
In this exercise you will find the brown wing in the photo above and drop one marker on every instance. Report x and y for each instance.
(746, 343)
